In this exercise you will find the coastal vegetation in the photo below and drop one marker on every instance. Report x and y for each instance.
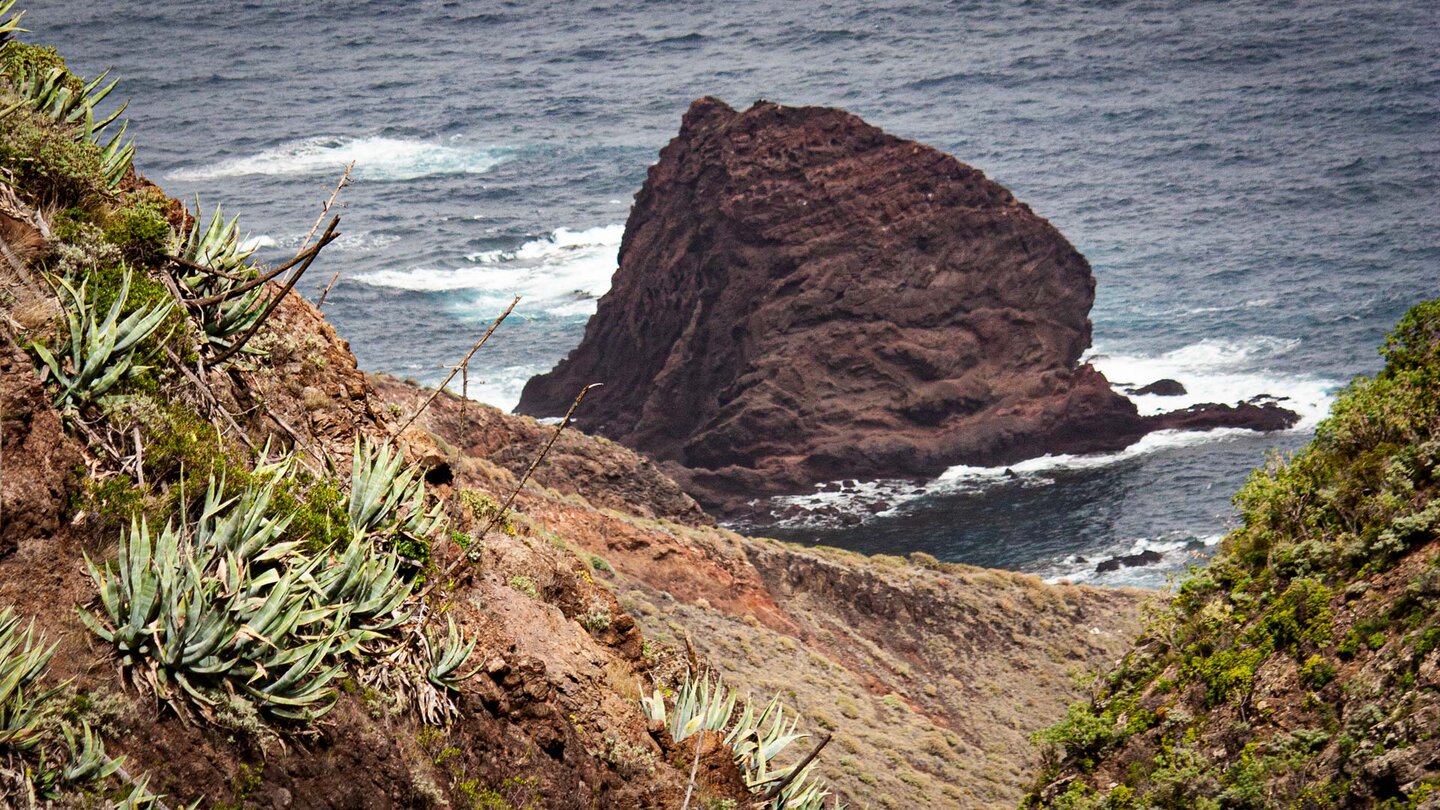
(1299, 668)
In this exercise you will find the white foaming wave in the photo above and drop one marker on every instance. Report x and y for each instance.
(1220, 371)
(256, 242)
(835, 503)
(1177, 553)
(562, 274)
(376, 158)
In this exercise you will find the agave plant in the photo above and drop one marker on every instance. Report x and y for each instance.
(703, 704)
(22, 661)
(102, 352)
(48, 91)
(447, 655)
(9, 23)
(386, 497)
(231, 301)
(86, 760)
(369, 583)
(194, 608)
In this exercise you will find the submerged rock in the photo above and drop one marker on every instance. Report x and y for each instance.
(803, 298)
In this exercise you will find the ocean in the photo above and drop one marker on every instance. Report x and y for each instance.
(1254, 184)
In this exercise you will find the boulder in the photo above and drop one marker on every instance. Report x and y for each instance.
(803, 298)
(1161, 388)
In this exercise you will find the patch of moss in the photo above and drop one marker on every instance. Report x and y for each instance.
(138, 226)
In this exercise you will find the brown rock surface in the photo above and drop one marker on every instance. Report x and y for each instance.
(930, 676)
(802, 298)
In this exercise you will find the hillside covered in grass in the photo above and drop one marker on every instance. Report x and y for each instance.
(1302, 667)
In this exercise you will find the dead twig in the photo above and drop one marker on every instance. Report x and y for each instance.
(235, 347)
(463, 363)
(500, 513)
(325, 209)
(694, 768)
(320, 302)
(139, 458)
(209, 396)
(774, 792)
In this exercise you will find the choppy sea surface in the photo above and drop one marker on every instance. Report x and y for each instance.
(1255, 185)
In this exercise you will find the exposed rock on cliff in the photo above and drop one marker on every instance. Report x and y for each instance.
(802, 298)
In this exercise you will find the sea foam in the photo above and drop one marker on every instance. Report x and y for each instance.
(560, 274)
(376, 158)
(1213, 371)
(1221, 371)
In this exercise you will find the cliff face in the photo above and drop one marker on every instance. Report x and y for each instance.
(802, 298)
(1302, 667)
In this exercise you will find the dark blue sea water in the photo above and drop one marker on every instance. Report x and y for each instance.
(1256, 187)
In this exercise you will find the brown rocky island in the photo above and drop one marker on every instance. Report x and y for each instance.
(803, 298)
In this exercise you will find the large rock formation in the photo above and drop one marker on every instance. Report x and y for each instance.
(802, 297)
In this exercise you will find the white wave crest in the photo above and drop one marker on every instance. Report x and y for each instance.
(1222, 371)
(376, 158)
(561, 274)
(1178, 551)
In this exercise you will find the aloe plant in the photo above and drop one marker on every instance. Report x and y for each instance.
(233, 304)
(222, 601)
(757, 738)
(101, 352)
(22, 661)
(9, 24)
(190, 611)
(86, 761)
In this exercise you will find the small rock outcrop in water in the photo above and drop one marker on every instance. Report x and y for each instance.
(803, 298)
(1161, 388)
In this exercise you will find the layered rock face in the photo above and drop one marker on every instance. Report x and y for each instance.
(802, 297)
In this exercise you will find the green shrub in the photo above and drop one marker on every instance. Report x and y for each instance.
(1082, 735)
(1316, 672)
(139, 227)
(50, 168)
(1225, 673)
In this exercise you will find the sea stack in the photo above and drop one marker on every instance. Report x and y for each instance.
(803, 298)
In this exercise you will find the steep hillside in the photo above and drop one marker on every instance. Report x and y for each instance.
(929, 676)
(1302, 667)
(234, 574)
